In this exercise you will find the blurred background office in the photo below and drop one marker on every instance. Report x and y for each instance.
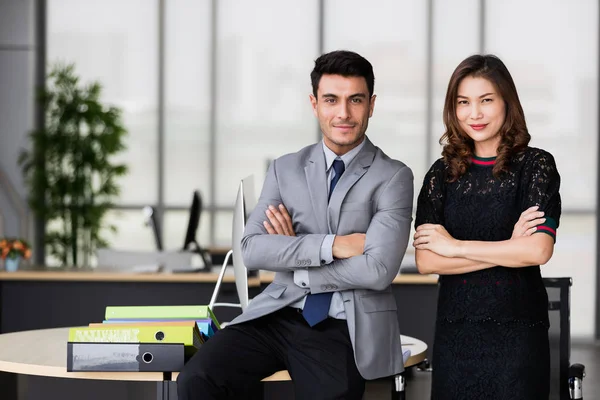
(211, 91)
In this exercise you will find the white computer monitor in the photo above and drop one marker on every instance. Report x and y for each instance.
(245, 202)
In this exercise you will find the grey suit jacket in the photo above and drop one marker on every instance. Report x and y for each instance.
(373, 196)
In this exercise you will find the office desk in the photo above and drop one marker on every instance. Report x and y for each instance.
(44, 353)
(51, 298)
(38, 299)
(114, 275)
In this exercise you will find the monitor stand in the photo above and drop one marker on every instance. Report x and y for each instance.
(204, 255)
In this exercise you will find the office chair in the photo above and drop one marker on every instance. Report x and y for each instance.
(570, 376)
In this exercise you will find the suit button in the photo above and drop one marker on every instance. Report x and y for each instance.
(333, 286)
(303, 283)
(322, 261)
(323, 287)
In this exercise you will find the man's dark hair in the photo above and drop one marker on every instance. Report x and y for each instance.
(345, 63)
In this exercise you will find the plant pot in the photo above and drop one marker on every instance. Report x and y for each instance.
(12, 264)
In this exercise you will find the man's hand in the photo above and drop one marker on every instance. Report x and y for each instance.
(528, 222)
(280, 222)
(436, 238)
(349, 245)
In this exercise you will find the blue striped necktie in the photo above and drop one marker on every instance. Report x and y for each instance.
(316, 306)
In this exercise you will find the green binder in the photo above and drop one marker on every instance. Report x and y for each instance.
(189, 336)
(160, 312)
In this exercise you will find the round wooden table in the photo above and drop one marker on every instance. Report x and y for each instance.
(43, 352)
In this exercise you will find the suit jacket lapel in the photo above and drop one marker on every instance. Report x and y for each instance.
(358, 167)
(316, 180)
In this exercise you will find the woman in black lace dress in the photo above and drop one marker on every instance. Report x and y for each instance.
(478, 213)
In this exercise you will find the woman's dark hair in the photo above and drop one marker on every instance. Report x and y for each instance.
(345, 63)
(458, 146)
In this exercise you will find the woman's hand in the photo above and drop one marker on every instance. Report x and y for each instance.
(528, 222)
(436, 238)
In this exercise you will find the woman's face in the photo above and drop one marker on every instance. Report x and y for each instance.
(480, 111)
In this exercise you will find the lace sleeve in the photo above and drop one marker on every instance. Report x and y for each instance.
(430, 203)
(542, 189)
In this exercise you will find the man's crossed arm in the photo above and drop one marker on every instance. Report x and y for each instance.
(279, 222)
(383, 245)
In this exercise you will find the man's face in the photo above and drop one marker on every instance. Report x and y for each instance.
(343, 108)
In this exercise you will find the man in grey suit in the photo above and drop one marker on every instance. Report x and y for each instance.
(333, 222)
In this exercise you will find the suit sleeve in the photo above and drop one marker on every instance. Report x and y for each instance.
(276, 252)
(385, 244)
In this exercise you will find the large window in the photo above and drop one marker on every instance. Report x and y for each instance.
(188, 107)
(265, 54)
(187, 101)
(114, 42)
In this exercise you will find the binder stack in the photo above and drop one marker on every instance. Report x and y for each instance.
(140, 338)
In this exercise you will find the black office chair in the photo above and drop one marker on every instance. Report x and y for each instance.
(567, 381)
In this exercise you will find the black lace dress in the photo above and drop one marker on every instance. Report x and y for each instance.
(491, 339)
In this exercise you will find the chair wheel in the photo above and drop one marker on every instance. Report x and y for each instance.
(576, 371)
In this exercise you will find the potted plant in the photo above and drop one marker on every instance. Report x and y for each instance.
(69, 171)
(12, 251)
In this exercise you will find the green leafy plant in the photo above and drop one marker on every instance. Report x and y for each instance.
(68, 169)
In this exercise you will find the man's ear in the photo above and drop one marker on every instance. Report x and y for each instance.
(372, 105)
(313, 103)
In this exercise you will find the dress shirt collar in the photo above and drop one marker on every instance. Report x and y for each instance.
(347, 158)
